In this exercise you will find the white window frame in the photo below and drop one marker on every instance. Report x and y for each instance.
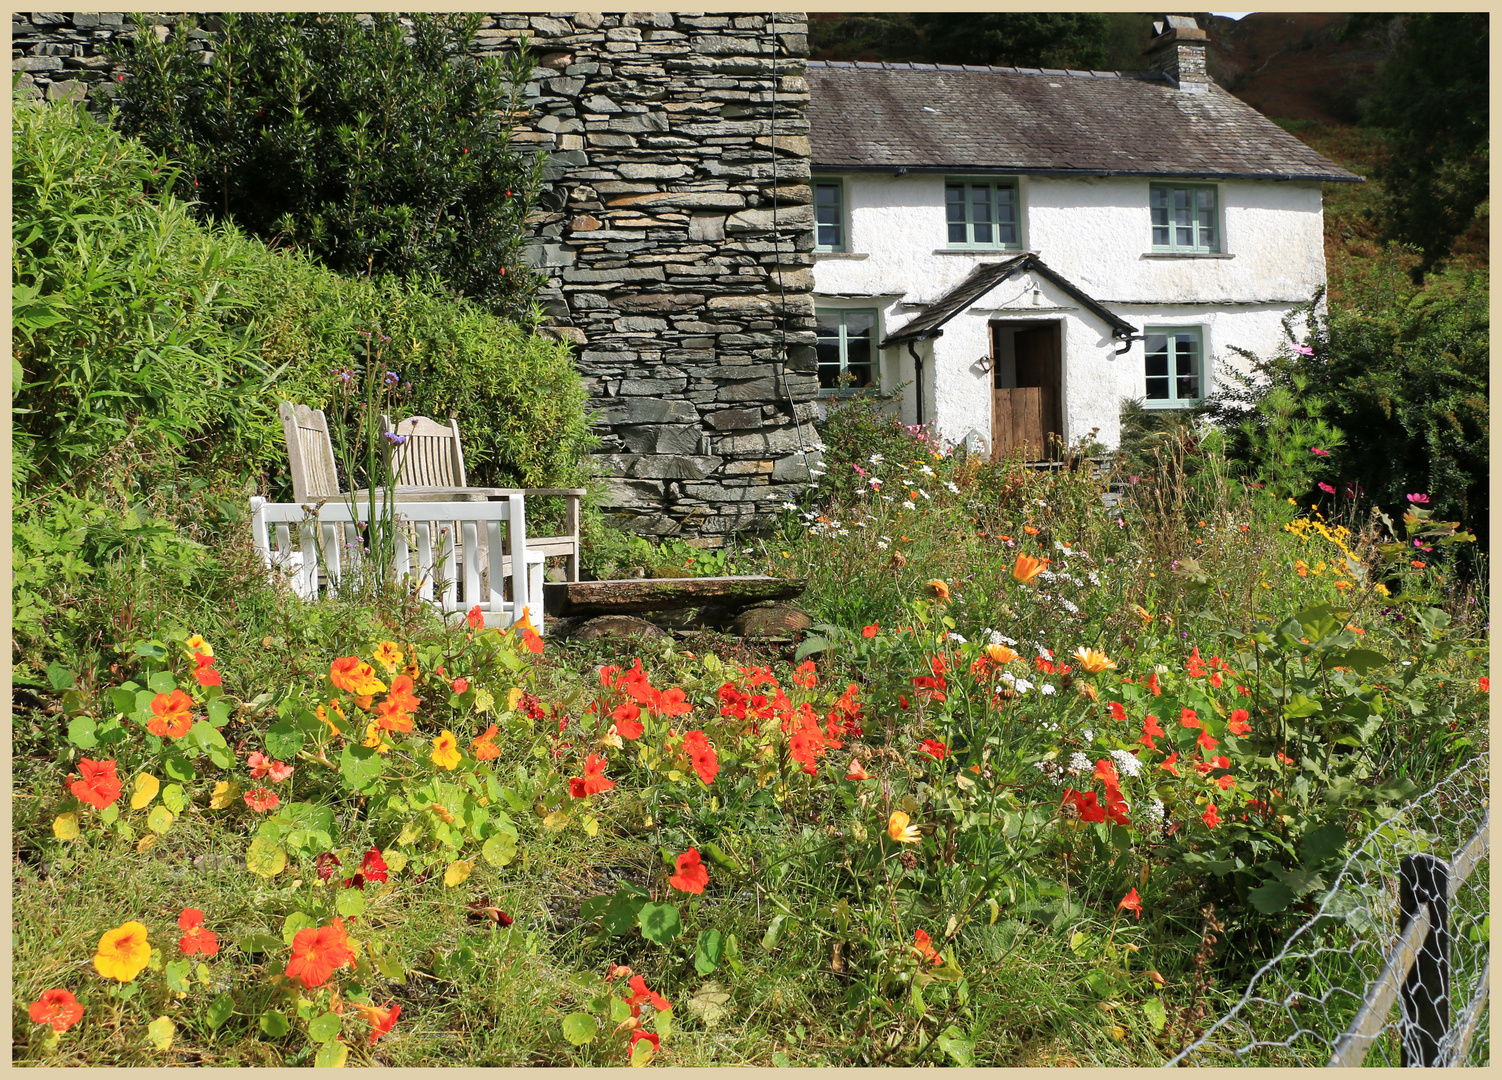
(1202, 365)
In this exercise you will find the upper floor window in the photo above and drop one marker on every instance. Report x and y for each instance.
(982, 213)
(846, 349)
(829, 214)
(1175, 366)
(1185, 218)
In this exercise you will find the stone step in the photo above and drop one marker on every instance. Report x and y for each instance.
(634, 595)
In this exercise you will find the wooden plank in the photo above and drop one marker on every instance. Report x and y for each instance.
(1351, 1048)
(635, 595)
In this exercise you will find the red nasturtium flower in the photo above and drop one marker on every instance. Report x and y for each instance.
(484, 746)
(593, 780)
(1131, 902)
(1190, 719)
(171, 715)
(381, 1021)
(530, 638)
(806, 675)
(258, 763)
(691, 876)
(1238, 725)
(475, 618)
(934, 749)
(857, 772)
(325, 865)
(260, 800)
(390, 716)
(1086, 805)
(56, 1007)
(674, 703)
(1207, 742)
(638, 1036)
(871, 631)
(1150, 730)
(627, 724)
(1167, 764)
(319, 952)
(641, 993)
(279, 772)
(97, 784)
(923, 946)
(1153, 684)
(1211, 817)
(701, 755)
(1484, 684)
(401, 694)
(203, 671)
(1118, 711)
(373, 866)
(195, 938)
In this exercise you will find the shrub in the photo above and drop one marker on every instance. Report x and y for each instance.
(374, 148)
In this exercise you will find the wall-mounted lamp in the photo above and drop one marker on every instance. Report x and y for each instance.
(1037, 297)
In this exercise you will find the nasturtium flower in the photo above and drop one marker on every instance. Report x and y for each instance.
(373, 866)
(899, 829)
(484, 746)
(388, 655)
(527, 632)
(475, 618)
(355, 676)
(691, 876)
(593, 781)
(1190, 719)
(1118, 710)
(390, 716)
(258, 763)
(871, 630)
(806, 675)
(674, 703)
(401, 694)
(123, 952)
(1484, 684)
(923, 946)
(627, 724)
(1237, 724)
(1027, 568)
(260, 800)
(319, 952)
(701, 755)
(203, 670)
(196, 644)
(640, 993)
(57, 1008)
(195, 938)
(934, 749)
(1211, 817)
(171, 715)
(279, 771)
(381, 1021)
(939, 589)
(1093, 660)
(325, 865)
(460, 685)
(97, 784)
(857, 771)
(1207, 742)
(445, 750)
(643, 1036)
(1153, 685)
(1131, 902)
(1150, 730)
(374, 739)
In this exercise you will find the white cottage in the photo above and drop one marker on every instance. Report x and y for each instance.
(1026, 248)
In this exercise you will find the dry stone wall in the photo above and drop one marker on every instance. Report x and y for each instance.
(676, 240)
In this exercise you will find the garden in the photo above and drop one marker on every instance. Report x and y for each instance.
(1085, 746)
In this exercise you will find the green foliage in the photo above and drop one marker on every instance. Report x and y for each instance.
(1055, 39)
(1433, 96)
(374, 146)
(857, 428)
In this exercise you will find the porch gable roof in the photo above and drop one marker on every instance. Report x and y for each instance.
(929, 322)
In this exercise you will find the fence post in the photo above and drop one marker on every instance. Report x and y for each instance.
(1424, 880)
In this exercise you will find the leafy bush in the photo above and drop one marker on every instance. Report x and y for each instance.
(859, 427)
(375, 147)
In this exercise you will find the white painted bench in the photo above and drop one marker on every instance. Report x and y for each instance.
(437, 545)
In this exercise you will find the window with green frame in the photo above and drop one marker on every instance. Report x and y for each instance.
(1185, 217)
(1175, 366)
(982, 213)
(829, 214)
(846, 349)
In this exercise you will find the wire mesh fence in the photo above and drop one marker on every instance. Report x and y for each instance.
(1393, 967)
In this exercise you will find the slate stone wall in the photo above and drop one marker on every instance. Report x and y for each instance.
(676, 241)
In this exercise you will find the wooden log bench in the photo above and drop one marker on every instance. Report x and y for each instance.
(633, 596)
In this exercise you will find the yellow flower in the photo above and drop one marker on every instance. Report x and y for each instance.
(445, 750)
(1093, 660)
(1381, 589)
(899, 829)
(123, 952)
(1000, 654)
(373, 739)
(940, 589)
(388, 655)
(198, 645)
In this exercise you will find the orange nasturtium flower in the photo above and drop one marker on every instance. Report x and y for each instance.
(390, 716)
(195, 938)
(196, 644)
(381, 1020)
(857, 771)
(1093, 660)
(355, 676)
(899, 829)
(528, 633)
(923, 946)
(445, 750)
(401, 694)
(1000, 654)
(1238, 725)
(203, 670)
(123, 952)
(484, 746)
(593, 781)
(374, 740)
(56, 1007)
(319, 952)
(388, 655)
(171, 715)
(98, 785)
(1131, 902)
(691, 876)
(702, 756)
(1030, 530)
(940, 590)
(1027, 568)
(871, 630)
(1211, 817)
(261, 800)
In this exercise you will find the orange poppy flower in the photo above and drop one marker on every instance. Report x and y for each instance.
(98, 785)
(381, 1021)
(195, 938)
(691, 876)
(56, 1007)
(1027, 568)
(923, 946)
(171, 715)
(319, 952)
(1131, 902)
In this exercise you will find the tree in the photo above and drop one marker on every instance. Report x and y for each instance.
(1055, 39)
(1433, 96)
(376, 146)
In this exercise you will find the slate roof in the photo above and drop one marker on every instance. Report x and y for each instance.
(932, 117)
(982, 280)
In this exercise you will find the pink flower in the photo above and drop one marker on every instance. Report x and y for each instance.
(1317, 452)
(1326, 488)
(279, 772)
(259, 764)
(1303, 350)
(1421, 499)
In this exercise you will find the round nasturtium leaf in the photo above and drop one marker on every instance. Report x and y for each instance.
(331, 1055)
(457, 873)
(351, 902)
(161, 1030)
(145, 790)
(274, 1024)
(579, 1028)
(324, 1028)
(225, 794)
(65, 826)
(265, 857)
(500, 849)
(159, 820)
(659, 922)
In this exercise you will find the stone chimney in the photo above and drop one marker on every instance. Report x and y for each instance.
(1178, 51)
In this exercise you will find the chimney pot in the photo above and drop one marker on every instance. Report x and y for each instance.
(1178, 51)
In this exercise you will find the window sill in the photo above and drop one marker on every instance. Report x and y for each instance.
(1185, 255)
(1172, 406)
(820, 256)
(980, 251)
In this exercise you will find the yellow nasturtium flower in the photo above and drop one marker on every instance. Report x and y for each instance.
(446, 750)
(123, 952)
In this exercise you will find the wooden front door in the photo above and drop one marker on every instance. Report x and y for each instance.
(1027, 414)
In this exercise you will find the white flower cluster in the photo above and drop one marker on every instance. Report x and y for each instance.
(1021, 686)
(1152, 813)
(956, 637)
(1079, 764)
(1126, 762)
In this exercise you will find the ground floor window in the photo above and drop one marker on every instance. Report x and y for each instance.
(1175, 366)
(847, 349)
